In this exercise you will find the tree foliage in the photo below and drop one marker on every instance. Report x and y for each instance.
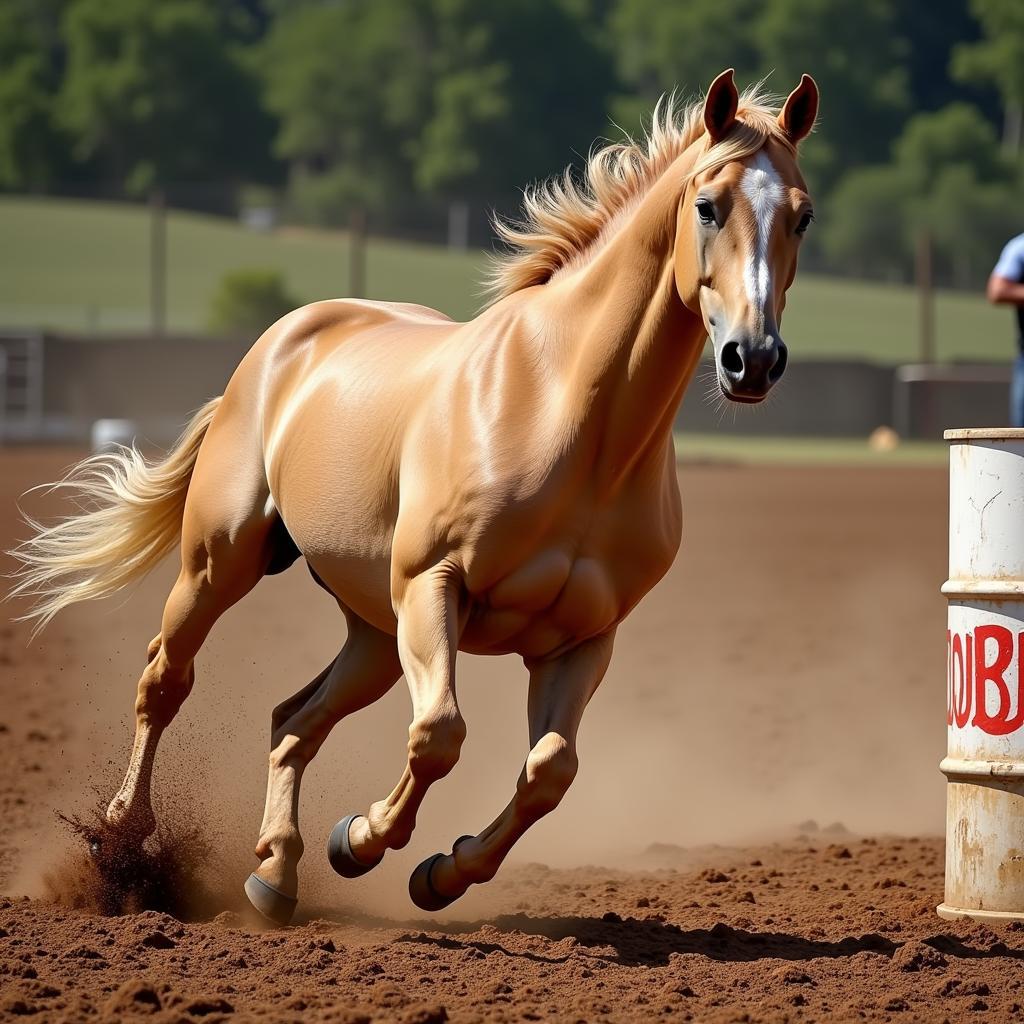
(153, 94)
(30, 143)
(998, 58)
(946, 179)
(660, 47)
(430, 97)
(856, 56)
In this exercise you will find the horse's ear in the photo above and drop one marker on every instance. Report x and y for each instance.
(800, 109)
(720, 106)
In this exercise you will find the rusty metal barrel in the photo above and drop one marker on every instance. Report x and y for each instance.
(984, 764)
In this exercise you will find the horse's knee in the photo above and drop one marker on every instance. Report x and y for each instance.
(550, 770)
(435, 744)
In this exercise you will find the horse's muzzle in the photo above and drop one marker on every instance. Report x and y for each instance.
(748, 368)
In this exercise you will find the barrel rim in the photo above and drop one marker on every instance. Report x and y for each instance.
(977, 589)
(967, 767)
(984, 434)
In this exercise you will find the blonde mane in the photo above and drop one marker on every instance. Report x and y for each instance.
(564, 217)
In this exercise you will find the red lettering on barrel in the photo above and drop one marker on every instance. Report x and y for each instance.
(949, 677)
(960, 685)
(986, 673)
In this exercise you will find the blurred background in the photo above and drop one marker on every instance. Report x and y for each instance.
(175, 174)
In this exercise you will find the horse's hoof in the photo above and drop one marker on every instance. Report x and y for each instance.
(339, 851)
(271, 903)
(421, 887)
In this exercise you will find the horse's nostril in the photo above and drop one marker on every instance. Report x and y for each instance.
(732, 361)
(780, 363)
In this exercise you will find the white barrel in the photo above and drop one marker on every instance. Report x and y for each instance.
(984, 763)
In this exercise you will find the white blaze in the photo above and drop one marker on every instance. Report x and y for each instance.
(763, 188)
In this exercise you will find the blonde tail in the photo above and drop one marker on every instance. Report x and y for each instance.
(130, 519)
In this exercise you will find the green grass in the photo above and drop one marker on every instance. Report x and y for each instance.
(71, 264)
(84, 265)
(802, 451)
(828, 317)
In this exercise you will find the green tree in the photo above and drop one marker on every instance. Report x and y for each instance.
(855, 53)
(346, 82)
(545, 79)
(430, 97)
(969, 220)
(31, 148)
(956, 135)
(961, 187)
(664, 46)
(998, 59)
(947, 178)
(156, 94)
(865, 231)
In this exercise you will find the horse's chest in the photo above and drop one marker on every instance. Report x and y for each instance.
(564, 592)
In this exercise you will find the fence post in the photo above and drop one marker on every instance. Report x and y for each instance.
(926, 294)
(458, 225)
(157, 264)
(357, 254)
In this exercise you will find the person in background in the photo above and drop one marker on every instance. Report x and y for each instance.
(1006, 284)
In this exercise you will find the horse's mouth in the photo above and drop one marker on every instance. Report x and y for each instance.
(739, 398)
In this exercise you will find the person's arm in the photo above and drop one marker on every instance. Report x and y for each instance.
(1006, 283)
(1002, 289)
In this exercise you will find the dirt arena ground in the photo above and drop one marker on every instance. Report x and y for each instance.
(771, 726)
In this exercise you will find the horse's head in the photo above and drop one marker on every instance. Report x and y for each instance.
(741, 218)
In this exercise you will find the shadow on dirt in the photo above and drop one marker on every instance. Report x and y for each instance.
(633, 943)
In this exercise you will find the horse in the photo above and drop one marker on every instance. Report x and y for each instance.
(502, 485)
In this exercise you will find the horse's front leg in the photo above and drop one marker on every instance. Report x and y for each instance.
(428, 638)
(560, 689)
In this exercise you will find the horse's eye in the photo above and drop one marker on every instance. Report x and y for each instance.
(705, 211)
(805, 222)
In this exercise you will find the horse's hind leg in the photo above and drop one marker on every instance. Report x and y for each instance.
(367, 667)
(559, 692)
(226, 546)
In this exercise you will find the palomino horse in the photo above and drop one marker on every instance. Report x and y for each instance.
(502, 485)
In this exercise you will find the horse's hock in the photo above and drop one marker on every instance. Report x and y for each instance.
(984, 765)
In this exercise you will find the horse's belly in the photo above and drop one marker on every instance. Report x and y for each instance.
(361, 584)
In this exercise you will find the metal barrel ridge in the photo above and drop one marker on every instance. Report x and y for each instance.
(984, 765)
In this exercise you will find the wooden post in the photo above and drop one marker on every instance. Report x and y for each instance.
(926, 298)
(157, 264)
(357, 255)
(1013, 128)
(458, 225)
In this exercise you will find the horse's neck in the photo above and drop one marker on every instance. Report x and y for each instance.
(633, 346)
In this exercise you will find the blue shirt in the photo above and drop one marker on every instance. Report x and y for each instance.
(1011, 266)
